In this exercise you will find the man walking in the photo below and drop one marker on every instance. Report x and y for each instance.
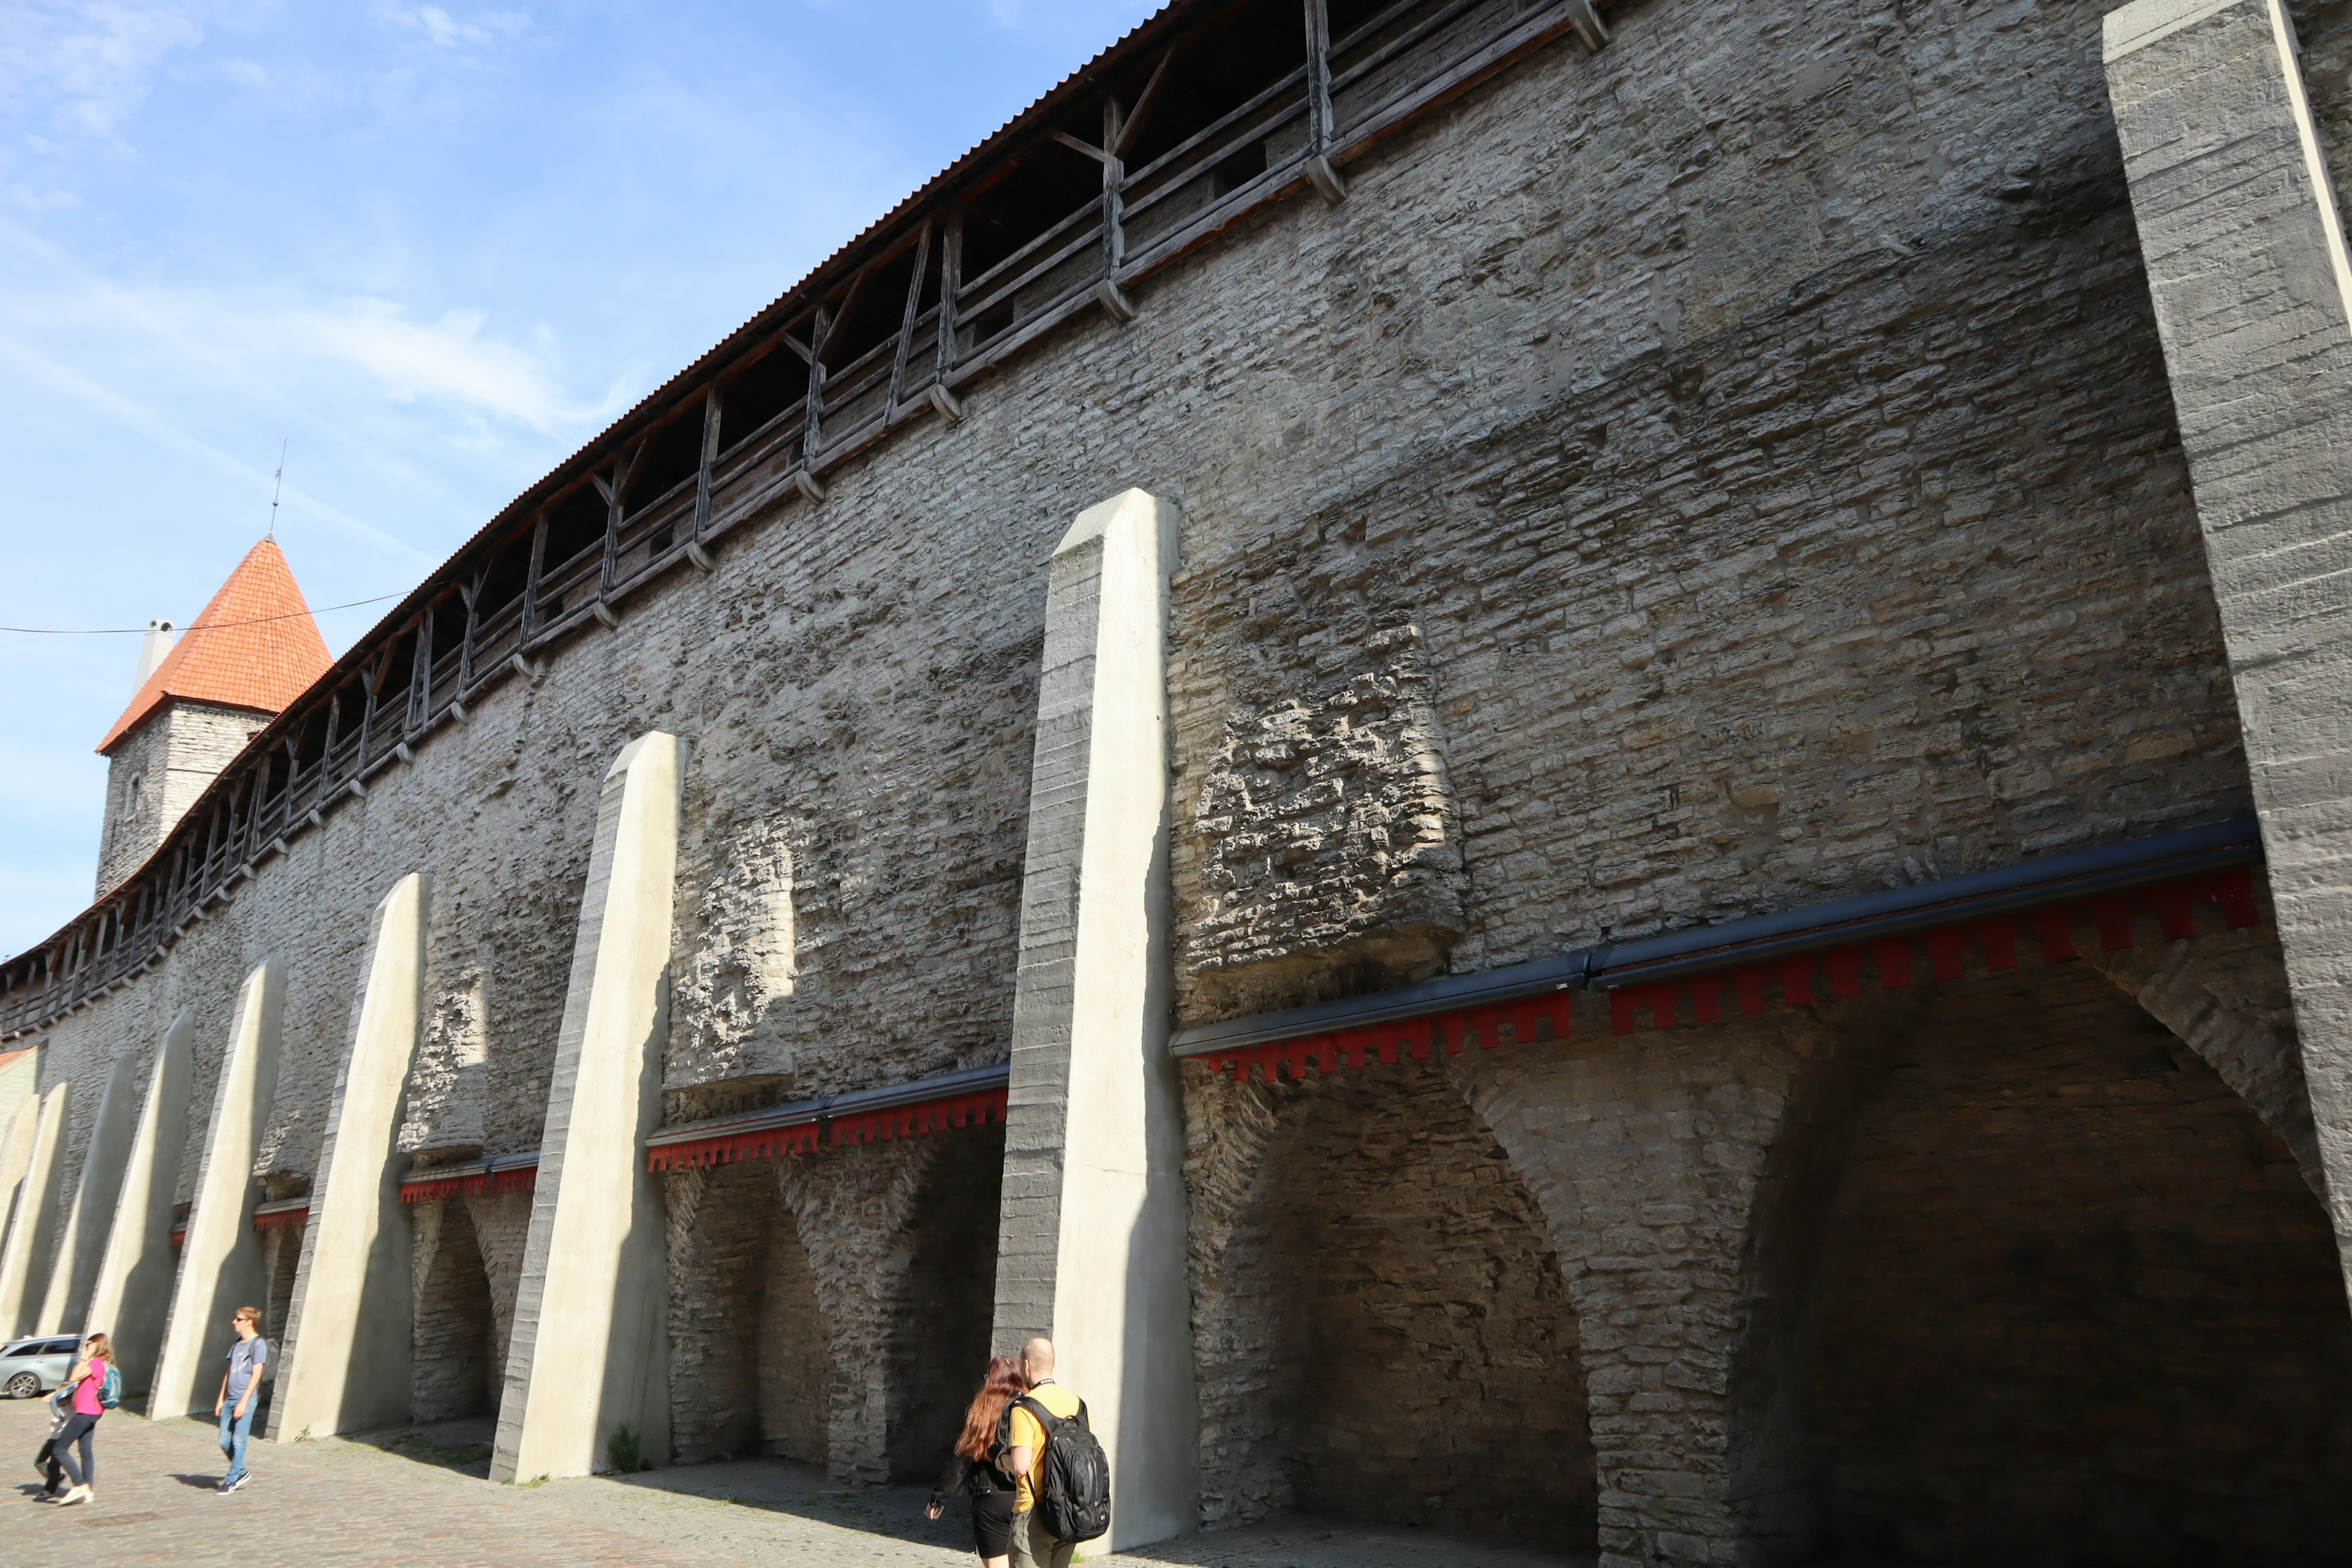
(1035, 1546)
(240, 1391)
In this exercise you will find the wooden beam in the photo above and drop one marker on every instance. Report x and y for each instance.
(951, 284)
(712, 409)
(1088, 148)
(1145, 101)
(812, 434)
(616, 492)
(464, 650)
(1321, 171)
(532, 570)
(907, 321)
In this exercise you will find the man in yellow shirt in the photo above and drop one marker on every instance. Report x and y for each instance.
(1035, 1546)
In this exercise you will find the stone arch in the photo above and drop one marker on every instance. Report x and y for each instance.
(1381, 1323)
(1650, 1155)
(750, 1372)
(2025, 1282)
(940, 1338)
(456, 1368)
(2224, 994)
(893, 1234)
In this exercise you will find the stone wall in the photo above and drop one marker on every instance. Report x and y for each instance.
(1728, 471)
(170, 758)
(1382, 1327)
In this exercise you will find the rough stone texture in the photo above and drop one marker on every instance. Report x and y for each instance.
(1381, 1330)
(900, 1242)
(441, 1115)
(458, 1336)
(2059, 1235)
(743, 962)
(2224, 993)
(157, 770)
(1325, 841)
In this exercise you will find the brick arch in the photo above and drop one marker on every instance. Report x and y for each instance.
(1380, 1325)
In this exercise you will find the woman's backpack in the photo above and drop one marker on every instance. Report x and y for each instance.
(110, 1392)
(1073, 1486)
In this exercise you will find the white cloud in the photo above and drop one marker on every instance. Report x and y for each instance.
(449, 360)
(480, 31)
(83, 66)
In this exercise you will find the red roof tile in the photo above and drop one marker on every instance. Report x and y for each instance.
(255, 646)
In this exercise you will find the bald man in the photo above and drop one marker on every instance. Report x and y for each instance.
(1035, 1546)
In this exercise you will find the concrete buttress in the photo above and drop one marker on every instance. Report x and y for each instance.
(222, 1266)
(589, 1353)
(33, 1221)
(1092, 1235)
(133, 1290)
(79, 1246)
(347, 1353)
(2246, 263)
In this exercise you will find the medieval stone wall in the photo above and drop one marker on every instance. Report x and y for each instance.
(1726, 472)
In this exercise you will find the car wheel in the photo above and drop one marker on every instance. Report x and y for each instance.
(24, 1385)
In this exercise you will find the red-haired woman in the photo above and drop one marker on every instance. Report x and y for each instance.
(972, 1467)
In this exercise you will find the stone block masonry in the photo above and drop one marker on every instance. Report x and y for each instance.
(347, 1332)
(2238, 217)
(588, 1358)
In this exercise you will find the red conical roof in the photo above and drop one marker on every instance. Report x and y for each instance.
(255, 646)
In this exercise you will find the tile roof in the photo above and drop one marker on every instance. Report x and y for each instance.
(255, 646)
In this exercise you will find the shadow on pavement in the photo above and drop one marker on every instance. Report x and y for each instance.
(785, 1486)
(463, 1445)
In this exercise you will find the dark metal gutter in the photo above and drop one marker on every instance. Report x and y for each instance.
(856, 1102)
(2059, 879)
(491, 1166)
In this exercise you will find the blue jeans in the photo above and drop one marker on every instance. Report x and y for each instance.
(234, 1431)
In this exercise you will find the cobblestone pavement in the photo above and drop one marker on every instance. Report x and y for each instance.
(407, 1498)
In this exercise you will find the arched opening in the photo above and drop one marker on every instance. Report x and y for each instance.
(457, 1371)
(1387, 1336)
(939, 1341)
(750, 1371)
(2074, 1304)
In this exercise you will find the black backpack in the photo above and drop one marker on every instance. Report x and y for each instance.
(1074, 1487)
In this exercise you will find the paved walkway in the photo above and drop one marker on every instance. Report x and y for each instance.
(406, 1498)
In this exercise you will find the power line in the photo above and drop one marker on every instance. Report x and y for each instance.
(191, 631)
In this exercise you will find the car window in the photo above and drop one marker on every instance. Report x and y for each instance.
(63, 1347)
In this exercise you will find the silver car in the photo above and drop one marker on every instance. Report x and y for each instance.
(31, 1367)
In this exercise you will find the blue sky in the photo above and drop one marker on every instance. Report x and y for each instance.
(430, 248)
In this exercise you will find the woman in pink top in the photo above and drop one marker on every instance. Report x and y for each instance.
(88, 1383)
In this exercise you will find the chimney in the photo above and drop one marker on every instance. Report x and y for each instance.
(161, 635)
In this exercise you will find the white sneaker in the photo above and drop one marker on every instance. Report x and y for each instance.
(74, 1495)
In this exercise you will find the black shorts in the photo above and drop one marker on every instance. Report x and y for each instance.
(991, 1524)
